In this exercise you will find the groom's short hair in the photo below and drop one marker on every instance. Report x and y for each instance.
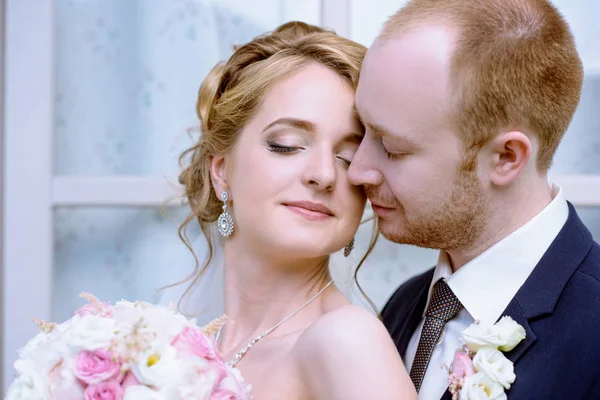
(514, 66)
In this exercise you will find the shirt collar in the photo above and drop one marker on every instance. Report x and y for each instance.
(486, 285)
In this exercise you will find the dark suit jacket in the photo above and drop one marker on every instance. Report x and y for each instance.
(559, 307)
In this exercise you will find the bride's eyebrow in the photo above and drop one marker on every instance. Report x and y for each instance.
(294, 123)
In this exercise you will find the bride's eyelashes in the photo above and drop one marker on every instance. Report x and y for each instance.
(285, 149)
(345, 162)
(280, 148)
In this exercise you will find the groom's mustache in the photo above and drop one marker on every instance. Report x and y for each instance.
(378, 199)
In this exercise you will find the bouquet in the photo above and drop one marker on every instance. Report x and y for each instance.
(125, 351)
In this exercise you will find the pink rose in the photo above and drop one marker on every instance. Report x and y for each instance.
(194, 341)
(225, 394)
(92, 309)
(96, 366)
(110, 390)
(232, 387)
(462, 365)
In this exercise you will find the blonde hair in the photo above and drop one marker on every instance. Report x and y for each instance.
(230, 96)
(515, 66)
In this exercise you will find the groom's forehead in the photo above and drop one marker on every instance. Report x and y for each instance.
(424, 45)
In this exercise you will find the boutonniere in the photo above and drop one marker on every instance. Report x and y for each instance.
(480, 370)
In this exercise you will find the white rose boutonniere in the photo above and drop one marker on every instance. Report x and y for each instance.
(505, 335)
(481, 387)
(510, 333)
(480, 370)
(495, 365)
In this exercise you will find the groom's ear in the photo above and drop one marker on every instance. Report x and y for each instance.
(511, 152)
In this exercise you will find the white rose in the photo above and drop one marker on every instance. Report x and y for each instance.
(46, 349)
(477, 336)
(127, 312)
(159, 319)
(481, 387)
(29, 385)
(159, 366)
(140, 392)
(495, 365)
(510, 332)
(91, 332)
(198, 384)
(164, 322)
(32, 345)
(505, 335)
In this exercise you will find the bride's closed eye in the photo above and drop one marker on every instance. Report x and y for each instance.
(345, 160)
(280, 148)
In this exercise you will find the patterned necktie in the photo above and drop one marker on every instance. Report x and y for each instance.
(442, 308)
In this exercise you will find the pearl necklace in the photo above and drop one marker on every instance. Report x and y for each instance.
(243, 351)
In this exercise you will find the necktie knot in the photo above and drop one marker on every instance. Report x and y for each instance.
(444, 305)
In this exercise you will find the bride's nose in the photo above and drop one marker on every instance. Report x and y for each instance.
(320, 171)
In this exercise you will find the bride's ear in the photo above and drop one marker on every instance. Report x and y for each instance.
(217, 174)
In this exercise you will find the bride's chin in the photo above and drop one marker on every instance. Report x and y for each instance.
(302, 248)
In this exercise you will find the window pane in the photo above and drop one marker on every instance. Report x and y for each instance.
(579, 152)
(591, 218)
(128, 73)
(116, 253)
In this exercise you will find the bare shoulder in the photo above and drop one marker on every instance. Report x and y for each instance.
(347, 353)
(345, 326)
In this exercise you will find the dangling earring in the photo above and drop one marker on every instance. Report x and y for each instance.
(225, 221)
(349, 247)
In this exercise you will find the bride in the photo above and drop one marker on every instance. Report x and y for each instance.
(278, 133)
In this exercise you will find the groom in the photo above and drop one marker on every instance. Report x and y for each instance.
(465, 103)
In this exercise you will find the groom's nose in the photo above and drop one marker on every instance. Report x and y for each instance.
(363, 168)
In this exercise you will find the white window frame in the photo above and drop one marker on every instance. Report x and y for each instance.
(1, 182)
(27, 179)
(31, 190)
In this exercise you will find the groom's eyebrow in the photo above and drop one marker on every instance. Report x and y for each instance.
(379, 130)
(375, 128)
(395, 138)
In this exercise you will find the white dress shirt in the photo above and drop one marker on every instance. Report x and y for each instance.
(485, 286)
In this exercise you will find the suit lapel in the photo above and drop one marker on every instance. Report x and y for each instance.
(413, 316)
(540, 292)
(516, 313)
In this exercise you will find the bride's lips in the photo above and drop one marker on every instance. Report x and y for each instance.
(309, 210)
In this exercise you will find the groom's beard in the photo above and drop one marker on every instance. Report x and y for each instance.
(456, 223)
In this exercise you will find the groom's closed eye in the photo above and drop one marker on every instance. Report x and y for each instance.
(391, 155)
